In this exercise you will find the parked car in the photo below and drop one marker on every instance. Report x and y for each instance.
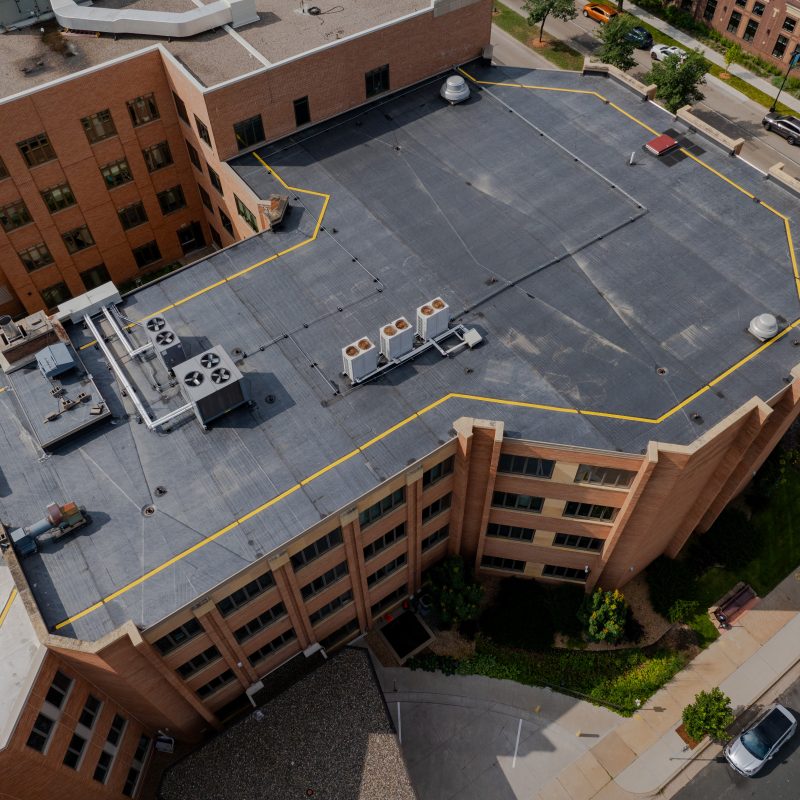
(783, 125)
(750, 750)
(599, 12)
(661, 51)
(641, 37)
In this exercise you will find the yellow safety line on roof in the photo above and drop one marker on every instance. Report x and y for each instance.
(7, 606)
(453, 395)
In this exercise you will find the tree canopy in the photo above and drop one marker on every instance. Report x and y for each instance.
(539, 10)
(616, 49)
(677, 80)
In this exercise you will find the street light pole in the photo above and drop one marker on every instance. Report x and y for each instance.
(793, 62)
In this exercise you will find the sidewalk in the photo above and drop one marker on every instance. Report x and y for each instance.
(712, 55)
(596, 755)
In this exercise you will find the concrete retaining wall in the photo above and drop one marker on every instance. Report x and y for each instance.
(598, 68)
(733, 146)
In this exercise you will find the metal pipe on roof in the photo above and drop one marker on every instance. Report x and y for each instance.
(122, 336)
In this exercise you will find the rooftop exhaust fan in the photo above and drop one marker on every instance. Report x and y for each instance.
(156, 324)
(194, 378)
(166, 343)
(763, 327)
(220, 375)
(165, 337)
(455, 90)
(209, 360)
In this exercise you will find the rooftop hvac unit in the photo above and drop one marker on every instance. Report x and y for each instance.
(397, 338)
(166, 343)
(212, 383)
(433, 319)
(359, 359)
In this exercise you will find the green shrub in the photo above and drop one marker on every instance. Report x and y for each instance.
(430, 662)
(682, 611)
(604, 615)
(456, 596)
(709, 715)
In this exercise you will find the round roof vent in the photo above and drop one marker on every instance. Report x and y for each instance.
(455, 90)
(209, 360)
(156, 323)
(763, 327)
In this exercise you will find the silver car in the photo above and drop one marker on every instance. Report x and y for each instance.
(750, 750)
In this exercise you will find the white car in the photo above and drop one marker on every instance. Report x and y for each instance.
(749, 751)
(659, 52)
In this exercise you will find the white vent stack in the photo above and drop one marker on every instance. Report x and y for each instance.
(359, 359)
(433, 319)
(397, 338)
(763, 327)
(455, 90)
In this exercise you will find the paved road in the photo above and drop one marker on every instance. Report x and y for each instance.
(731, 111)
(779, 780)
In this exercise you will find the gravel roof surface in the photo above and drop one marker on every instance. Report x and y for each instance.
(329, 733)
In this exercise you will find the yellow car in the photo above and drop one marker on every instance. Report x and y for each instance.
(599, 12)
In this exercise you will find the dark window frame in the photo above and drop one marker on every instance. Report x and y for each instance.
(249, 132)
(57, 198)
(39, 248)
(37, 150)
(438, 506)
(438, 472)
(15, 215)
(389, 568)
(78, 239)
(530, 466)
(117, 173)
(504, 564)
(383, 507)
(302, 111)
(396, 534)
(171, 200)
(143, 110)
(377, 81)
(99, 126)
(313, 551)
(439, 535)
(132, 215)
(158, 156)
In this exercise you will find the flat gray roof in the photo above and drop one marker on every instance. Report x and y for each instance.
(585, 276)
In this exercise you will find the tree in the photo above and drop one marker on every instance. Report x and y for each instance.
(616, 49)
(709, 715)
(539, 10)
(677, 80)
(733, 53)
(604, 615)
(455, 595)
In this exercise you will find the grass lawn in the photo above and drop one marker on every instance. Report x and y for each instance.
(762, 98)
(557, 52)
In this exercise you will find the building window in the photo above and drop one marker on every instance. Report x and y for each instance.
(260, 622)
(14, 216)
(302, 112)
(604, 476)
(96, 276)
(77, 239)
(317, 548)
(40, 733)
(4, 169)
(271, 647)
(740, 3)
(569, 573)
(588, 510)
(525, 465)
(382, 542)
(171, 200)
(401, 593)
(110, 747)
(74, 751)
(578, 542)
(377, 80)
(326, 579)
(99, 126)
(386, 570)
(789, 24)
(382, 507)
(132, 215)
(437, 536)
(509, 532)
(750, 30)
(249, 132)
(180, 107)
(179, 636)
(35, 257)
(330, 608)
(339, 634)
(116, 730)
(246, 214)
(188, 668)
(54, 295)
(215, 683)
(215, 237)
(710, 10)
(202, 131)
(103, 766)
(226, 221)
(507, 564)
(143, 110)
(214, 178)
(206, 198)
(780, 46)
(437, 472)
(521, 502)
(91, 709)
(116, 174)
(758, 9)
(194, 157)
(157, 157)
(58, 197)
(244, 595)
(436, 507)
(137, 764)
(733, 22)
(36, 150)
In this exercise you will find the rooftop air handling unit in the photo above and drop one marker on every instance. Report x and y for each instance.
(359, 359)
(166, 343)
(763, 327)
(455, 90)
(433, 319)
(212, 383)
(397, 338)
